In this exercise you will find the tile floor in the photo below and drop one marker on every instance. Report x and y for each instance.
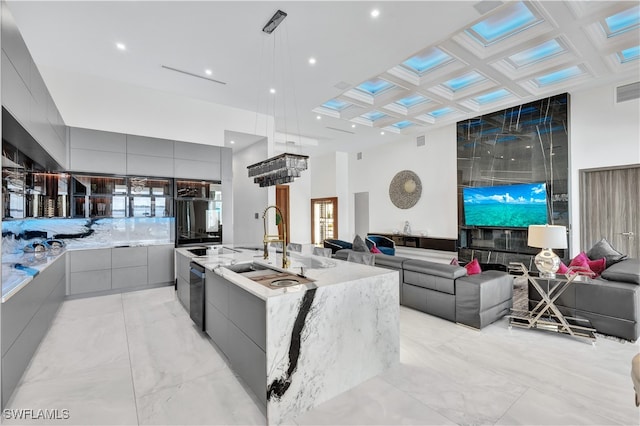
(136, 358)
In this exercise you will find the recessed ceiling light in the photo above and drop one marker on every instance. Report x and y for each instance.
(121, 46)
(382, 133)
(318, 117)
(208, 72)
(353, 126)
(312, 61)
(375, 13)
(232, 142)
(528, 146)
(513, 159)
(272, 90)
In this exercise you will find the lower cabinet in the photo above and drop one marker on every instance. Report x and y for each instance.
(26, 317)
(119, 268)
(182, 276)
(236, 322)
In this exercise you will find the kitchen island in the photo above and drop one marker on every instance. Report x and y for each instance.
(300, 345)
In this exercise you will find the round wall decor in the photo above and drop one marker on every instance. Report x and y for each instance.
(405, 189)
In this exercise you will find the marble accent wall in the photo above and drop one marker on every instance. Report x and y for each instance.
(88, 233)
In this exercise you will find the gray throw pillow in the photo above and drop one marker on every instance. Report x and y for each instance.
(359, 245)
(626, 271)
(604, 249)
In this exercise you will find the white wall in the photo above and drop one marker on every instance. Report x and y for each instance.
(248, 197)
(300, 207)
(603, 134)
(436, 166)
(98, 103)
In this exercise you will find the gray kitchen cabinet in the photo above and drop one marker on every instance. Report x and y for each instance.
(248, 312)
(14, 45)
(128, 267)
(15, 94)
(217, 327)
(201, 152)
(129, 277)
(194, 169)
(182, 273)
(89, 260)
(248, 361)
(122, 257)
(147, 165)
(89, 271)
(155, 147)
(236, 322)
(26, 317)
(160, 264)
(87, 160)
(97, 140)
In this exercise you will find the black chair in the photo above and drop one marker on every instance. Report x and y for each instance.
(336, 245)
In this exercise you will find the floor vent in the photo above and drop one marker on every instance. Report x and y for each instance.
(359, 156)
(628, 92)
(421, 140)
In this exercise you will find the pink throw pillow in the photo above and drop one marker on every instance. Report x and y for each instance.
(473, 267)
(580, 264)
(598, 266)
(375, 249)
(563, 269)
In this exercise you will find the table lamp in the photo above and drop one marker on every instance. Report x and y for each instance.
(547, 237)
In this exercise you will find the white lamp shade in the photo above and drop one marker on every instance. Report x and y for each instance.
(547, 236)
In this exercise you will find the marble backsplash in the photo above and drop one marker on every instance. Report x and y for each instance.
(88, 233)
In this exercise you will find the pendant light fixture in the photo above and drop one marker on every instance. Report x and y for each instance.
(282, 168)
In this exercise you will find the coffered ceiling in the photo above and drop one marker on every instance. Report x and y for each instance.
(416, 66)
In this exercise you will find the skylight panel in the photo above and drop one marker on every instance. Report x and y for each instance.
(464, 81)
(628, 55)
(403, 124)
(441, 112)
(336, 104)
(492, 97)
(375, 87)
(427, 61)
(503, 24)
(622, 22)
(558, 76)
(373, 115)
(411, 101)
(536, 54)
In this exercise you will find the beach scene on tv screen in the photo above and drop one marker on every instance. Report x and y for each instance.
(508, 206)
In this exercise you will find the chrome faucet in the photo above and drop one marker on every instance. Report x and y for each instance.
(275, 238)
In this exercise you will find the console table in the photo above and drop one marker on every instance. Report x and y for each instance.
(418, 241)
(546, 315)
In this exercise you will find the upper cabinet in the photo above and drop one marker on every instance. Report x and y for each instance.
(116, 153)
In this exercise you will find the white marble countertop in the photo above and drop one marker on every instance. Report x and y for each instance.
(323, 271)
(14, 279)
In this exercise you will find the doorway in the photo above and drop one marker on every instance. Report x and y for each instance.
(324, 219)
(282, 202)
(610, 208)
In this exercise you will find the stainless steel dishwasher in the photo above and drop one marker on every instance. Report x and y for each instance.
(196, 294)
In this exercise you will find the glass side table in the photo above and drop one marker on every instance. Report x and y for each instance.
(546, 315)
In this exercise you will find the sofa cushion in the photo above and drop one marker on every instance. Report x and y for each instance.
(393, 262)
(626, 271)
(608, 298)
(432, 268)
(359, 244)
(604, 249)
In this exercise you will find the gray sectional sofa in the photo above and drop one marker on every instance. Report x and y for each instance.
(447, 292)
(611, 302)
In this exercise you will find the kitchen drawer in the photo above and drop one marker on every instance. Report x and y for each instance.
(217, 292)
(183, 264)
(248, 312)
(89, 260)
(217, 327)
(183, 294)
(248, 361)
(134, 276)
(90, 281)
(123, 257)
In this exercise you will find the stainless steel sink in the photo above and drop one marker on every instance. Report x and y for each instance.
(242, 268)
(266, 276)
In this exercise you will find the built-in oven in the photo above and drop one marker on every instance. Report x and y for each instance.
(196, 294)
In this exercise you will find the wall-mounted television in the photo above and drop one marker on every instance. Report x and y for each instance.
(505, 206)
